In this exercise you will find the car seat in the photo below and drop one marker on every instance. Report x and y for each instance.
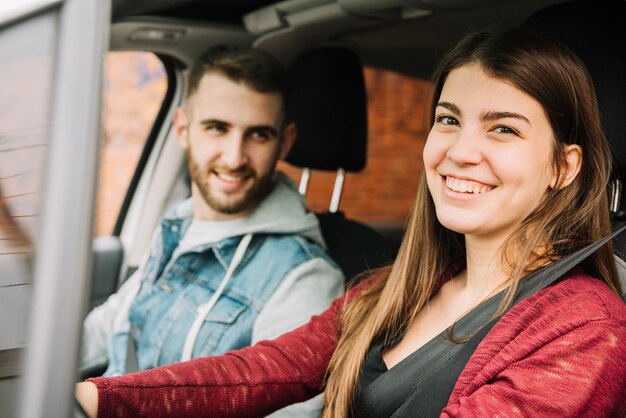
(594, 29)
(327, 100)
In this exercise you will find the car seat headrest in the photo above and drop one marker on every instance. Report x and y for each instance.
(595, 31)
(327, 100)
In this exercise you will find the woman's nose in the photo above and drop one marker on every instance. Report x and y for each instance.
(465, 149)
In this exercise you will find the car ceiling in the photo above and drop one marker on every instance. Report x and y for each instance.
(225, 11)
(407, 36)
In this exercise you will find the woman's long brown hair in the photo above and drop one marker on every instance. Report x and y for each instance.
(568, 218)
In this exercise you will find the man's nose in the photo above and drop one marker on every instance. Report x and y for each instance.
(234, 152)
(466, 148)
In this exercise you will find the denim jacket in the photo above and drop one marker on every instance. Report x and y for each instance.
(283, 279)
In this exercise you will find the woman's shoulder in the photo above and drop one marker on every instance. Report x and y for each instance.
(571, 331)
(577, 301)
(578, 308)
(583, 296)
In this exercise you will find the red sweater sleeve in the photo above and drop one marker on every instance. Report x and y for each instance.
(250, 382)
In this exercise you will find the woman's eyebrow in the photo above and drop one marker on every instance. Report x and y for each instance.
(489, 115)
(450, 106)
(493, 115)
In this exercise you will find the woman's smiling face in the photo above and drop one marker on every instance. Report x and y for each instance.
(488, 157)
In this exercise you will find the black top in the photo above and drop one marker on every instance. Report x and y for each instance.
(421, 383)
(373, 366)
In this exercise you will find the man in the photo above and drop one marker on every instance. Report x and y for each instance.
(241, 260)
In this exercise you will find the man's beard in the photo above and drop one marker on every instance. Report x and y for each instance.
(224, 203)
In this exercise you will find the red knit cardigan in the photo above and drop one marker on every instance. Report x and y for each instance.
(558, 353)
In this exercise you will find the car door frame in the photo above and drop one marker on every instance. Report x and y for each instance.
(63, 248)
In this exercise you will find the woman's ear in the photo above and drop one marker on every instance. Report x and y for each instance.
(573, 162)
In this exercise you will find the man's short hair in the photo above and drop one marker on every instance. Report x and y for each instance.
(256, 69)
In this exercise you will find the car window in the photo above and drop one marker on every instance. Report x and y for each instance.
(26, 70)
(135, 84)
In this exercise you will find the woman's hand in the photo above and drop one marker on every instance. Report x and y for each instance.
(87, 396)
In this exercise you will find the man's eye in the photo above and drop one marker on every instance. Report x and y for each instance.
(217, 128)
(446, 120)
(260, 135)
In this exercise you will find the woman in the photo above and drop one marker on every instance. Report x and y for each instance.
(516, 168)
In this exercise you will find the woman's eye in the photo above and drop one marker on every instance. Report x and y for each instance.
(446, 120)
(505, 130)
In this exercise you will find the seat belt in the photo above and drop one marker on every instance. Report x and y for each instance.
(423, 386)
(131, 355)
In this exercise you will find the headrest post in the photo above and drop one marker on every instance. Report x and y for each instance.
(304, 181)
(334, 201)
(615, 190)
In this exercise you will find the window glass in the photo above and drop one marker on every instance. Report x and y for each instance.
(26, 69)
(134, 88)
(398, 125)
(25, 83)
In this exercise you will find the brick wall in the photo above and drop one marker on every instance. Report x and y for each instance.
(383, 191)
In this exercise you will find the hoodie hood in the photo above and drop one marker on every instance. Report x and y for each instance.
(283, 211)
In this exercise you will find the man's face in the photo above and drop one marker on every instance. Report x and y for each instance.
(231, 134)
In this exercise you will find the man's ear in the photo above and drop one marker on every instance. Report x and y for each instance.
(573, 163)
(181, 128)
(289, 137)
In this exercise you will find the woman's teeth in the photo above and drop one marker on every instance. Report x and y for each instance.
(466, 186)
